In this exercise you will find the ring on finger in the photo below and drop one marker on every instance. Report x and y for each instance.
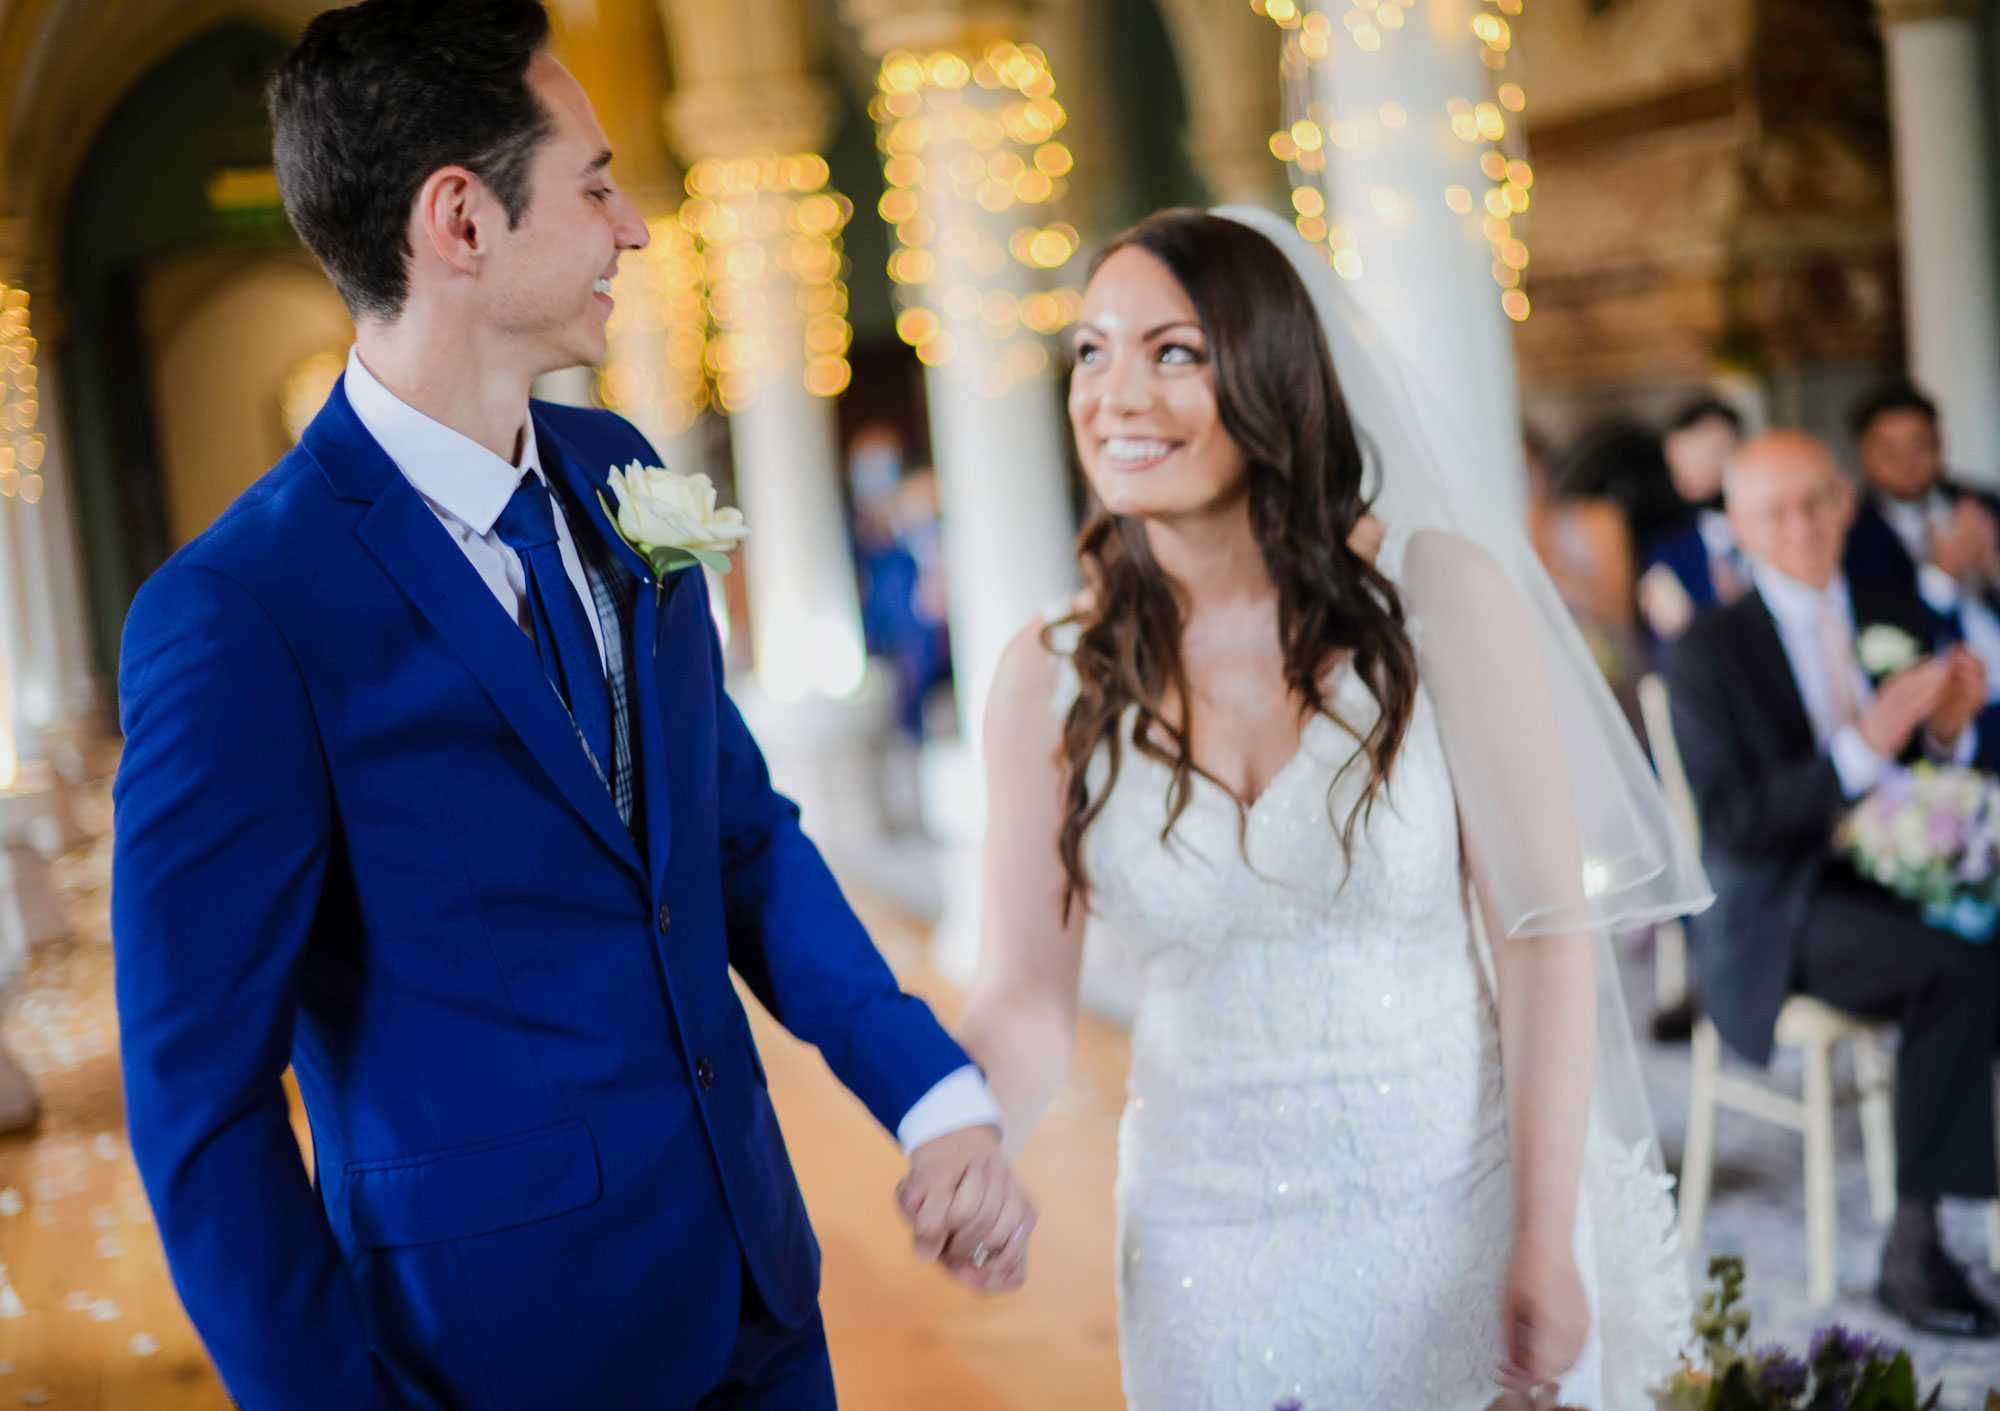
(980, 1254)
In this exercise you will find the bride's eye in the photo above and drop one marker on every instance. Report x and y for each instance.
(1181, 353)
(1088, 353)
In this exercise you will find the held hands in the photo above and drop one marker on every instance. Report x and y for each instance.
(1543, 1314)
(966, 1210)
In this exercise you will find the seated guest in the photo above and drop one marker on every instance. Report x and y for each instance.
(1917, 531)
(1587, 550)
(1781, 731)
(1910, 514)
(1694, 566)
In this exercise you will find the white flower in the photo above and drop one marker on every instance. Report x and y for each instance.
(672, 519)
(1884, 650)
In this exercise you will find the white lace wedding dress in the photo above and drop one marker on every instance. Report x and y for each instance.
(1313, 1190)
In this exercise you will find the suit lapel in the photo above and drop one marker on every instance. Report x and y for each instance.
(654, 600)
(1770, 672)
(405, 537)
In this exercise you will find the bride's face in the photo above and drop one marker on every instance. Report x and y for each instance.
(1142, 398)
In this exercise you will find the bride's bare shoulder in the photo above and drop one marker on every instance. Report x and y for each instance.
(1021, 706)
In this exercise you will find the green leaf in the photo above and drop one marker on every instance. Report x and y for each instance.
(1737, 1390)
(710, 559)
(1887, 1386)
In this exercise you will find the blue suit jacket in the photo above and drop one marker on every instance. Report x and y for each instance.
(356, 832)
(1685, 552)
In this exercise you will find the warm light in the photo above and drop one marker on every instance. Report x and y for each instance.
(1515, 304)
(1347, 264)
(1512, 98)
(1307, 201)
(1459, 199)
(1305, 134)
(1494, 165)
(1392, 114)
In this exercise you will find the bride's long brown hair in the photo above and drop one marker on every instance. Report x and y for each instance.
(1279, 401)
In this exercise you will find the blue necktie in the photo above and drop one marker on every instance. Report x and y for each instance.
(562, 633)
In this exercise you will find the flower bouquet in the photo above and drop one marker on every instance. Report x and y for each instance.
(1841, 1371)
(1931, 835)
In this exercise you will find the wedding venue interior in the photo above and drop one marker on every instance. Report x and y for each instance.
(1614, 237)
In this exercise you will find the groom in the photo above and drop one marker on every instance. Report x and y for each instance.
(431, 792)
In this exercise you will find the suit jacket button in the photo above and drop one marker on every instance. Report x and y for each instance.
(704, 1073)
(666, 919)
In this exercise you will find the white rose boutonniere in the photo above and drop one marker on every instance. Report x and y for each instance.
(1883, 650)
(672, 520)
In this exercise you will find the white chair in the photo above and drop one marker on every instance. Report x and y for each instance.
(1670, 966)
(1811, 1027)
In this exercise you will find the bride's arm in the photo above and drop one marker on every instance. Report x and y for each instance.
(1546, 992)
(1482, 666)
(1019, 1022)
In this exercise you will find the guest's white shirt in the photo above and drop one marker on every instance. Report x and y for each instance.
(1915, 521)
(1796, 609)
(466, 487)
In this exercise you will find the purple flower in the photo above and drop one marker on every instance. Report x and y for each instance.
(1780, 1373)
(1836, 1344)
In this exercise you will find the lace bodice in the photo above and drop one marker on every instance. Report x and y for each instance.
(1314, 1198)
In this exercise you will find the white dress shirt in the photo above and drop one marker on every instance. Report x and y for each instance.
(1796, 609)
(466, 487)
(1915, 521)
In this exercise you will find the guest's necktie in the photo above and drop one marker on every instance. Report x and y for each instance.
(1836, 643)
(562, 633)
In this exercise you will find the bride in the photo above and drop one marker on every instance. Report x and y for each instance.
(1368, 1159)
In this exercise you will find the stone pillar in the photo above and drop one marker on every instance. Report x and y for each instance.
(1944, 199)
(1399, 125)
(968, 123)
(750, 120)
(1229, 68)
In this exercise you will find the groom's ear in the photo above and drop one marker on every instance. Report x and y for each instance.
(453, 219)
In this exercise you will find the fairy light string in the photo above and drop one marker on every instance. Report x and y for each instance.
(21, 445)
(766, 239)
(962, 134)
(1489, 121)
(668, 302)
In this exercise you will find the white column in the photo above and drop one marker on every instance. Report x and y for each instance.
(1944, 203)
(1404, 193)
(805, 612)
(49, 554)
(968, 134)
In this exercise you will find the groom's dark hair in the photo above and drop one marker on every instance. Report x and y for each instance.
(378, 96)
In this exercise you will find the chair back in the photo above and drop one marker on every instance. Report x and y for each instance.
(1657, 713)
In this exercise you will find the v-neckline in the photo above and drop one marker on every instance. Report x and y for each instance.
(1298, 757)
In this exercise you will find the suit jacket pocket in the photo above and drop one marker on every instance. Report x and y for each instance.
(475, 1189)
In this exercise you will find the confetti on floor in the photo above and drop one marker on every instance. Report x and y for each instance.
(10, 1202)
(145, 1345)
(104, 1311)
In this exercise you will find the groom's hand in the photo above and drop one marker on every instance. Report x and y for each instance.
(966, 1209)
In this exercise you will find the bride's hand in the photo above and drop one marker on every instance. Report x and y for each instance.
(1543, 1314)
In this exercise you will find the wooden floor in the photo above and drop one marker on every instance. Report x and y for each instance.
(89, 1320)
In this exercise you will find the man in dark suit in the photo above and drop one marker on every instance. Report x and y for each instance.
(1918, 532)
(1781, 732)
